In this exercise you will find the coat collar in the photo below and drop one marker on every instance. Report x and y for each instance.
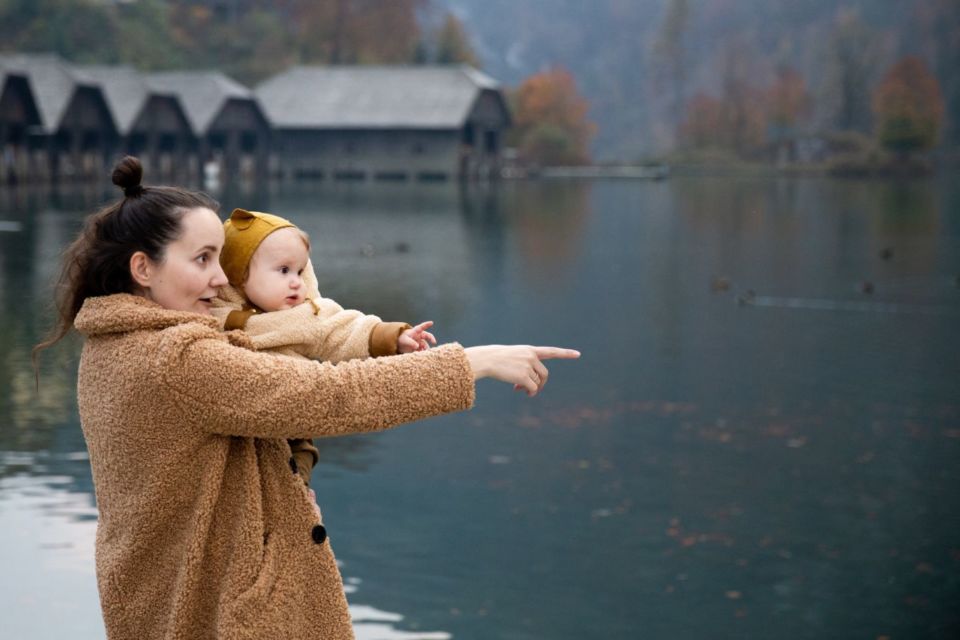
(124, 312)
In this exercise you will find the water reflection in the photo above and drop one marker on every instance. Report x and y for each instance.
(47, 542)
(708, 469)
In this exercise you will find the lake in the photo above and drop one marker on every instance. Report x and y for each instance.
(761, 439)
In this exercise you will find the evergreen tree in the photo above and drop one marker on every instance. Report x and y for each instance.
(453, 44)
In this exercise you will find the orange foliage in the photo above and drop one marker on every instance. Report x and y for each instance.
(908, 105)
(787, 99)
(550, 119)
(704, 123)
(736, 122)
(744, 117)
(385, 31)
(348, 31)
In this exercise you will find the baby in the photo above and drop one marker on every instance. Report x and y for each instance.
(273, 297)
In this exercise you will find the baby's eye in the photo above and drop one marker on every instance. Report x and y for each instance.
(300, 273)
(284, 270)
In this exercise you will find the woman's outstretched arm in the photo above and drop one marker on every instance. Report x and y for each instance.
(234, 391)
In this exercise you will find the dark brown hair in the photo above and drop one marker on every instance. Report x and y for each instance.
(97, 263)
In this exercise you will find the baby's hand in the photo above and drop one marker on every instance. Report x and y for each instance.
(416, 338)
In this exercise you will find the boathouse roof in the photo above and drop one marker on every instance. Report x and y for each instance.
(124, 89)
(378, 97)
(52, 80)
(203, 94)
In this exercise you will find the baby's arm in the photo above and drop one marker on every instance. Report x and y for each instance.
(305, 457)
(319, 329)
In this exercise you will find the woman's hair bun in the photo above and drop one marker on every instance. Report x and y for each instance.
(127, 175)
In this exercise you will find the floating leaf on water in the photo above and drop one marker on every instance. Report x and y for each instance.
(530, 422)
(734, 595)
(777, 430)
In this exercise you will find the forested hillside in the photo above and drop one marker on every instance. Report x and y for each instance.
(641, 62)
(656, 75)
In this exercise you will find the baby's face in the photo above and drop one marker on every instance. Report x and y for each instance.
(275, 281)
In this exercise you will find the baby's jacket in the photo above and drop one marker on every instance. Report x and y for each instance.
(318, 329)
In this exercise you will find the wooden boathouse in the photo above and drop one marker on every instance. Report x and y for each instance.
(387, 123)
(19, 118)
(62, 121)
(229, 128)
(75, 131)
(151, 124)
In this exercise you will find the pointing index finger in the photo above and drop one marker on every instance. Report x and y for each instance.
(548, 353)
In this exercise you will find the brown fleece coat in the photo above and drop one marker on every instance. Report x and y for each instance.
(319, 329)
(203, 531)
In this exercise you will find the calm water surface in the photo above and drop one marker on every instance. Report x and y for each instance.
(785, 466)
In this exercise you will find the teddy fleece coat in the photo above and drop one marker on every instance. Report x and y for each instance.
(203, 530)
(319, 329)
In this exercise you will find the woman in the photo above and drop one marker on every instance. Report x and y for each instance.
(203, 530)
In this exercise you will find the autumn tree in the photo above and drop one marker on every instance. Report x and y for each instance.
(703, 125)
(143, 36)
(938, 27)
(853, 53)
(353, 31)
(670, 51)
(743, 102)
(385, 32)
(787, 101)
(81, 31)
(453, 44)
(908, 106)
(550, 119)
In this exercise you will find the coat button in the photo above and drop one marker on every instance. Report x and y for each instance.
(293, 465)
(319, 534)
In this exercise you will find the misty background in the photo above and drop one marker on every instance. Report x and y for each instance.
(639, 64)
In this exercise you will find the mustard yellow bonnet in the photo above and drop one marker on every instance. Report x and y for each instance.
(244, 232)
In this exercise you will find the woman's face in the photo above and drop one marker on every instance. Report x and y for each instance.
(189, 275)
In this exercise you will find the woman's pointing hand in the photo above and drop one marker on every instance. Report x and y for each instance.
(520, 365)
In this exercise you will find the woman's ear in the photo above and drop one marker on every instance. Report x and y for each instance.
(141, 269)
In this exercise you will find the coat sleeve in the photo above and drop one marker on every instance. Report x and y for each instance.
(305, 456)
(234, 391)
(321, 329)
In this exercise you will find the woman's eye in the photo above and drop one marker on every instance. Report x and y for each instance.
(202, 258)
